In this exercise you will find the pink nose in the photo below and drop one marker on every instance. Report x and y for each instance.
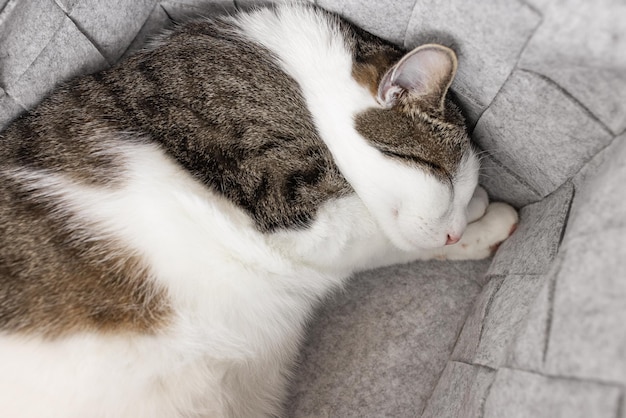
(453, 239)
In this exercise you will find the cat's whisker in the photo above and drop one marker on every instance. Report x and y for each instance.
(490, 152)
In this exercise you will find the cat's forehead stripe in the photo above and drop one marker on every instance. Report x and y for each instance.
(438, 148)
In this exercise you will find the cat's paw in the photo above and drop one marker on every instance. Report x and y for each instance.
(483, 237)
(477, 205)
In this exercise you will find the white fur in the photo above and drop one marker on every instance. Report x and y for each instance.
(241, 298)
(222, 277)
(414, 208)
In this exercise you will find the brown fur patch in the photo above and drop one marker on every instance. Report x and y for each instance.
(414, 131)
(232, 118)
(62, 138)
(437, 146)
(369, 73)
(371, 56)
(53, 281)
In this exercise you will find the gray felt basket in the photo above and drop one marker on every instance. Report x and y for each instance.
(537, 331)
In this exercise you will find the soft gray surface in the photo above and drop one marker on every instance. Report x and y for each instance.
(521, 394)
(378, 347)
(538, 330)
(542, 124)
(487, 60)
(460, 391)
(503, 184)
(542, 224)
(580, 46)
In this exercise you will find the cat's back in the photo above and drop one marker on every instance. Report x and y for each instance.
(134, 212)
(168, 225)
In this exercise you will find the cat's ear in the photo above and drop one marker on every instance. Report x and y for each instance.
(425, 74)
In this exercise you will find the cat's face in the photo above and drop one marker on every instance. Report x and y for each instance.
(423, 192)
(430, 172)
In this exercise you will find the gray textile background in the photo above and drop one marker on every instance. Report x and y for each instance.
(537, 331)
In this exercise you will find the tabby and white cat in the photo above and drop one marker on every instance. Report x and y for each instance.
(167, 226)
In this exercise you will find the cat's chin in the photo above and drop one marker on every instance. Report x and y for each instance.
(413, 243)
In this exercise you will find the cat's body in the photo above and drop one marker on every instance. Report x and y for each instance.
(168, 226)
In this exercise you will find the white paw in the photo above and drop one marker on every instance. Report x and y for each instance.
(477, 205)
(482, 238)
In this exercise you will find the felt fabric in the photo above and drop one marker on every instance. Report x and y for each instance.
(378, 347)
(26, 28)
(504, 185)
(506, 307)
(535, 331)
(67, 54)
(460, 392)
(588, 312)
(580, 46)
(528, 348)
(534, 244)
(111, 33)
(385, 19)
(521, 394)
(485, 61)
(539, 132)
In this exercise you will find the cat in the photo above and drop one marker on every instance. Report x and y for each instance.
(168, 225)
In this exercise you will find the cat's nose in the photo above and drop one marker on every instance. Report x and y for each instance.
(453, 239)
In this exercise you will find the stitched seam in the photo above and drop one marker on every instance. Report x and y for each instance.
(519, 57)
(550, 314)
(514, 175)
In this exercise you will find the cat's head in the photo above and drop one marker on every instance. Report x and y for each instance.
(420, 194)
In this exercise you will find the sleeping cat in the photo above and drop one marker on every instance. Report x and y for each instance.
(167, 226)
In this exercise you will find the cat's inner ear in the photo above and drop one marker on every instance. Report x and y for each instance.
(424, 75)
